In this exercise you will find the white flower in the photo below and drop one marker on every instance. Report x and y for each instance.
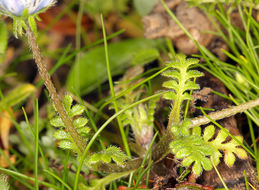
(17, 7)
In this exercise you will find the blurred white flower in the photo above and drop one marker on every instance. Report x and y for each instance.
(17, 7)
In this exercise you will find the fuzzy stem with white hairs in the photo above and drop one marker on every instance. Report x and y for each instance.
(52, 90)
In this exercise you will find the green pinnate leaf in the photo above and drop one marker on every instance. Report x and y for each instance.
(229, 158)
(190, 85)
(66, 144)
(206, 164)
(169, 95)
(208, 132)
(77, 110)
(67, 102)
(61, 134)
(241, 153)
(183, 152)
(57, 122)
(107, 155)
(221, 137)
(106, 158)
(205, 149)
(192, 149)
(94, 158)
(175, 130)
(84, 130)
(189, 61)
(80, 122)
(117, 155)
(187, 161)
(181, 83)
(176, 145)
(193, 74)
(196, 131)
(197, 168)
(186, 96)
(201, 151)
(229, 148)
(215, 158)
(185, 130)
(172, 74)
(172, 84)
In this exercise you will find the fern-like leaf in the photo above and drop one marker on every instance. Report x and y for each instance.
(192, 150)
(200, 150)
(65, 140)
(230, 148)
(107, 155)
(180, 83)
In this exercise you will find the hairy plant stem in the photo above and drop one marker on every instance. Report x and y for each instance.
(202, 120)
(174, 116)
(52, 90)
(162, 147)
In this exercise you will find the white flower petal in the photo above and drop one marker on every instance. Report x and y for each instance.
(14, 7)
(42, 4)
(17, 7)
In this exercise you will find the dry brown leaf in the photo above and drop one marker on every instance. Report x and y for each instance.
(65, 25)
(5, 125)
(3, 162)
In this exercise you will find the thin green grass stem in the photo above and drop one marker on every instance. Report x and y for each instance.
(59, 179)
(78, 42)
(220, 177)
(170, 47)
(39, 147)
(8, 160)
(123, 136)
(10, 172)
(65, 173)
(246, 181)
(36, 149)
